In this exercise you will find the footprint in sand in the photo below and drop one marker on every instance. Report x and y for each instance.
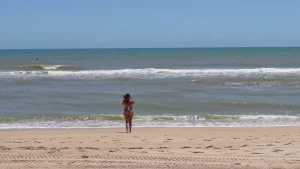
(209, 146)
(269, 145)
(228, 147)
(135, 148)
(207, 140)
(27, 148)
(89, 148)
(41, 148)
(277, 150)
(196, 152)
(185, 147)
(234, 149)
(64, 148)
(84, 156)
(53, 150)
(287, 144)
(4, 148)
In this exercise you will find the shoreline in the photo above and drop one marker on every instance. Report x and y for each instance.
(181, 147)
(137, 127)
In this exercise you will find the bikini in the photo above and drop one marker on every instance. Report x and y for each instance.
(128, 108)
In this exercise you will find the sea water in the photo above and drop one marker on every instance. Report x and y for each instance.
(175, 87)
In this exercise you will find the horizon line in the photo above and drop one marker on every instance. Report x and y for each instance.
(149, 48)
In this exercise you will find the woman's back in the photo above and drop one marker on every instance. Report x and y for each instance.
(129, 103)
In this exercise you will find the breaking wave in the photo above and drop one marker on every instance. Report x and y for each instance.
(149, 73)
(49, 67)
(112, 121)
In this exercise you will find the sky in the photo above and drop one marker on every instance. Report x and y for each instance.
(48, 24)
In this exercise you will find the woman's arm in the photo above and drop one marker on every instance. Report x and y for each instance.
(132, 101)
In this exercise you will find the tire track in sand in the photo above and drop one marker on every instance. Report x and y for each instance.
(75, 159)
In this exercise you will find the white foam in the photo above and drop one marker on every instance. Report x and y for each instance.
(51, 67)
(269, 117)
(148, 121)
(150, 73)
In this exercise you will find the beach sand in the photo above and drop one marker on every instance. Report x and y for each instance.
(152, 148)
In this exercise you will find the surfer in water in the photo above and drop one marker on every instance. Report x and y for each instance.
(128, 110)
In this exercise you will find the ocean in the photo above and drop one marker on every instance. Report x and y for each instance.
(174, 87)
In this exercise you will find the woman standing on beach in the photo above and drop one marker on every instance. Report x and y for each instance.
(128, 110)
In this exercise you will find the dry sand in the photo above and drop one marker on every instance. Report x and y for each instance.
(183, 148)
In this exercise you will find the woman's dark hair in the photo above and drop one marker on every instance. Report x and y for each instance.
(126, 97)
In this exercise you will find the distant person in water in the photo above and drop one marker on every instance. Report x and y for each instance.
(128, 110)
(37, 58)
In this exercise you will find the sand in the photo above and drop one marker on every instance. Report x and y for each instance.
(182, 148)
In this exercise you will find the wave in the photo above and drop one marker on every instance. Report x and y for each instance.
(248, 80)
(113, 121)
(257, 105)
(49, 67)
(166, 117)
(152, 73)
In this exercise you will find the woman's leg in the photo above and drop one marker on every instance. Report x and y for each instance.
(130, 119)
(126, 116)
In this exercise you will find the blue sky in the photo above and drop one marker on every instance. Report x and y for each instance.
(148, 23)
